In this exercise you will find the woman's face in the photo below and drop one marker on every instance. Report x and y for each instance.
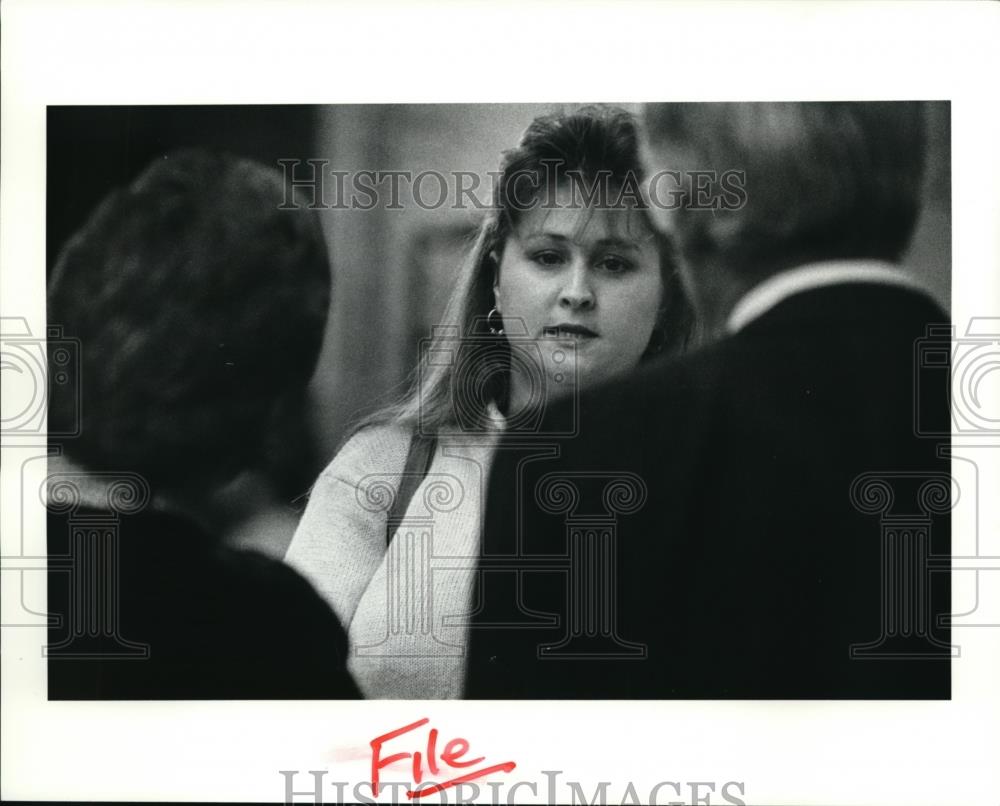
(578, 280)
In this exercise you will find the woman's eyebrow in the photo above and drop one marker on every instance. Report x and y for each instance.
(618, 243)
(541, 233)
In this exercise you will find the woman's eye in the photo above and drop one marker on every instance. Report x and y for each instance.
(614, 265)
(547, 258)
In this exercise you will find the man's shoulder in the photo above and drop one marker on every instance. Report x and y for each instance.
(669, 401)
(851, 306)
(681, 379)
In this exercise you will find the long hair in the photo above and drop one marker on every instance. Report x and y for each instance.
(466, 367)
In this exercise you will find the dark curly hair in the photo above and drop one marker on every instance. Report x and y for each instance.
(200, 307)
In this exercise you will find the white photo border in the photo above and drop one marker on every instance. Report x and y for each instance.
(293, 51)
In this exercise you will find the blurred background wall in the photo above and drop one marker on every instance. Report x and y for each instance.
(393, 268)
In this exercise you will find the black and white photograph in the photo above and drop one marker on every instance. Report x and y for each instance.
(581, 415)
(394, 443)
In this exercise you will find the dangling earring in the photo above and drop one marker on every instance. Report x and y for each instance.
(495, 322)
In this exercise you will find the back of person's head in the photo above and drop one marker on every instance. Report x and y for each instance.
(823, 181)
(200, 308)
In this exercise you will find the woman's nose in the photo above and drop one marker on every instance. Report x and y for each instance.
(577, 292)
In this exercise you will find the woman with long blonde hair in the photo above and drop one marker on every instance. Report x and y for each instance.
(566, 287)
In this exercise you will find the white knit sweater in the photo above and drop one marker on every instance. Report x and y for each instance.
(403, 608)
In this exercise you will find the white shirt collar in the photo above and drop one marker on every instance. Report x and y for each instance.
(765, 295)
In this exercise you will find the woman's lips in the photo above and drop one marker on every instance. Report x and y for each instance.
(567, 331)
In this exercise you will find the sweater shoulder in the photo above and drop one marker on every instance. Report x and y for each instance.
(378, 449)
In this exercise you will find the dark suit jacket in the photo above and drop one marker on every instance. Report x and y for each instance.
(216, 623)
(755, 562)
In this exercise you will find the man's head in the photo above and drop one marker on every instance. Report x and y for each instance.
(200, 308)
(821, 181)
